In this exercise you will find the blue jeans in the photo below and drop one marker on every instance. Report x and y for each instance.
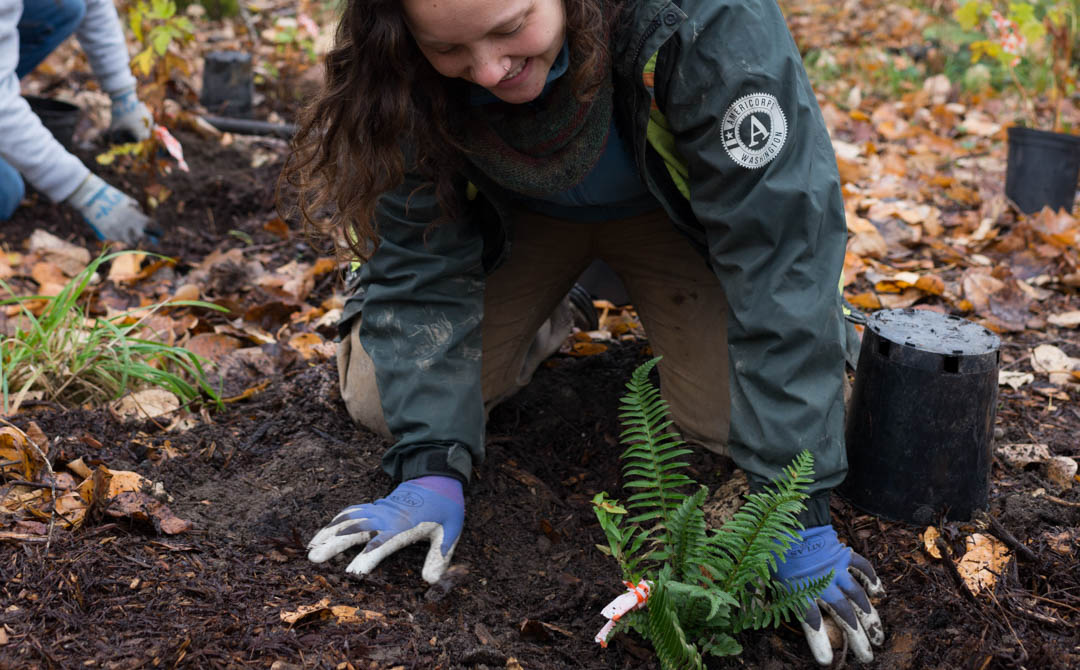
(43, 26)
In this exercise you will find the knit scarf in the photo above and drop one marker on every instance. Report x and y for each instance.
(545, 146)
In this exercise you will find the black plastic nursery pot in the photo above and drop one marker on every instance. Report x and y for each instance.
(228, 83)
(58, 116)
(921, 421)
(1042, 169)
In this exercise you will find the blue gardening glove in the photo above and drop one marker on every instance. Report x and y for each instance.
(430, 507)
(813, 554)
(131, 120)
(111, 213)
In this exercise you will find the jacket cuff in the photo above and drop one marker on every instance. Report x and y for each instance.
(817, 511)
(453, 460)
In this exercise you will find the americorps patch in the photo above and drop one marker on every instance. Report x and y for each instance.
(755, 129)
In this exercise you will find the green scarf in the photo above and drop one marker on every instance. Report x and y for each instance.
(545, 146)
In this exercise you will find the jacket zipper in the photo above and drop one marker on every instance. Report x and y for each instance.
(641, 43)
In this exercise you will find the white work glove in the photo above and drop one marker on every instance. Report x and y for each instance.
(131, 120)
(111, 213)
(815, 553)
(427, 508)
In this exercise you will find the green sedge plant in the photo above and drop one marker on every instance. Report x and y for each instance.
(72, 358)
(706, 585)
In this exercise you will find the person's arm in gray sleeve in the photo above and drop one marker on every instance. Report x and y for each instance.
(420, 324)
(43, 162)
(102, 38)
(24, 142)
(763, 182)
(422, 313)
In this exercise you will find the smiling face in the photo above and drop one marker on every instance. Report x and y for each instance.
(506, 46)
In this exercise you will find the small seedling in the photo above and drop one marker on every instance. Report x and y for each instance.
(157, 27)
(702, 586)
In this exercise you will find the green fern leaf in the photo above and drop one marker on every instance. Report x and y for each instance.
(672, 648)
(700, 607)
(721, 644)
(762, 526)
(686, 535)
(650, 462)
(780, 604)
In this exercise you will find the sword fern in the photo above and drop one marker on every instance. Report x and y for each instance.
(708, 585)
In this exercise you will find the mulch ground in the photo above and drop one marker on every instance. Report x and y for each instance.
(258, 478)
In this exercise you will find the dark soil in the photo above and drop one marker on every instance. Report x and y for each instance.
(260, 477)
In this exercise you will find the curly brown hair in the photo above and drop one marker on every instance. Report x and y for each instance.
(381, 95)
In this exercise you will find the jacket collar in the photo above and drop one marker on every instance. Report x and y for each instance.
(643, 28)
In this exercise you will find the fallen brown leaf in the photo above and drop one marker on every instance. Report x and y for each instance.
(70, 258)
(125, 267)
(140, 506)
(587, 348)
(147, 403)
(277, 227)
(312, 346)
(985, 559)
(213, 346)
(186, 292)
(929, 539)
(323, 610)
(50, 278)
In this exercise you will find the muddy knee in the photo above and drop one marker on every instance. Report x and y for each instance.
(359, 390)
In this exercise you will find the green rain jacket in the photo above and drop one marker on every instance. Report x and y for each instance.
(728, 136)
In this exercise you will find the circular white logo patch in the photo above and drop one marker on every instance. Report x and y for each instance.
(754, 130)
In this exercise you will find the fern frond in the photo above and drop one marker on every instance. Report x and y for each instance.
(761, 528)
(721, 644)
(701, 607)
(687, 537)
(667, 636)
(707, 586)
(650, 461)
(778, 604)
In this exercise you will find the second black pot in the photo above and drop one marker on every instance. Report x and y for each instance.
(228, 84)
(1042, 169)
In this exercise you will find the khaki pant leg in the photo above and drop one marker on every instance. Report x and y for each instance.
(356, 377)
(684, 312)
(526, 314)
(526, 318)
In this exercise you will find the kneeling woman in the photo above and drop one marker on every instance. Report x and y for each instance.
(479, 154)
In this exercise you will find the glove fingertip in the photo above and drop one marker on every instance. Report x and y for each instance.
(364, 563)
(871, 583)
(437, 561)
(434, 570)
(876, 589)
(818, 641)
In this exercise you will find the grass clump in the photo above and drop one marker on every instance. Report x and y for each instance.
(72, 358)
(706, 585)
